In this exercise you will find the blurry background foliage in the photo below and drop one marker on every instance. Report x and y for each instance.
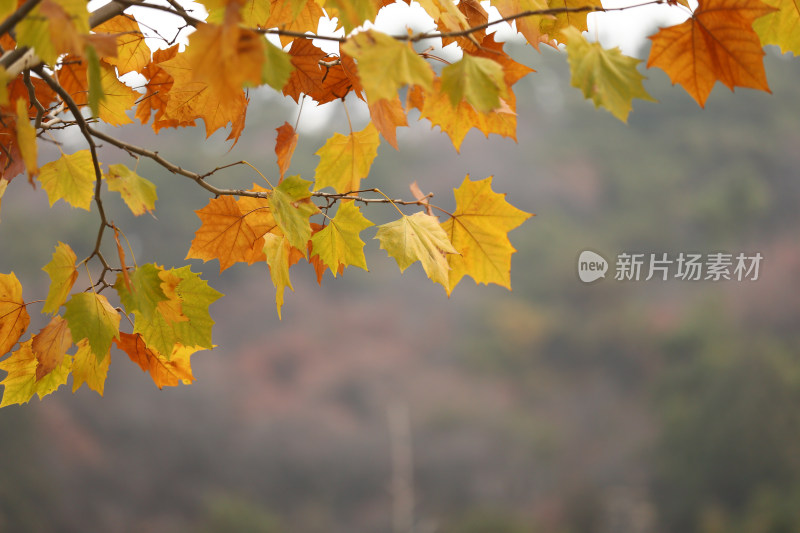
(649, 407)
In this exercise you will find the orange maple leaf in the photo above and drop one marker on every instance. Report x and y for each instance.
(284, 146)
(165, 371)
(388, 115)
(323, 83)
(232, 231)
(717, 43)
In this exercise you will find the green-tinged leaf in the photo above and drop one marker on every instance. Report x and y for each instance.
(63, 274)
(339, 244)
(479, 231)
(87, 369)
(96, 94)
(6, 8)
(90, 316)
(608, 77)
(418, 237)
(353, 13)
(196, 296)
(14, 318)
(346, 159)
(71, 178)
(782, 27)
(386, 64)
(277, 250)
(138, 193)
(54, 27)
(21, 384)
(478, 80)
(277, 67)
(292, 206)
(145, 291)
(5, 79)
(26, 139)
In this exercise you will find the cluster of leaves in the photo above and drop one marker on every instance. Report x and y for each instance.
(64, 67)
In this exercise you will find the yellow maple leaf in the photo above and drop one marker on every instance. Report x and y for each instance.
(387, 116)
(71, 177)
(63, 274)
(456, 121)
(479, 230)
(133, 54)
(418, 237)
(386, 64)
(21, 384)
(14, 318)
(345, 160)
(87, 369)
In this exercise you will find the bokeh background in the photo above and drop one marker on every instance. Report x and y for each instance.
(379, 405)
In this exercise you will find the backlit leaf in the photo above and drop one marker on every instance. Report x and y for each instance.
(782, 27)
(138, 193)
(50, 346)
(71, 178)
(21, 384)
(338, 244)
(87, 369)
(14, 318)
(26, 138)
(133, 54)
(90, 316)
(387, 116)
(716, 44)
(166, 372)
(284, 146)
(479, 231)
(277, 250)
(478, 80)
(418, 237)
(63, 274)
(292, 206)
(608, 77)
(231, 230)
(386, 64)
(346, 159)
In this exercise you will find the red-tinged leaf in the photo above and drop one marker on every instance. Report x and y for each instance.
(50, 346)
(717, 43)
(323, 83)
(284, 147)
(166, 372)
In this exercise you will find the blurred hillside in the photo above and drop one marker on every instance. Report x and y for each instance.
(560, 407)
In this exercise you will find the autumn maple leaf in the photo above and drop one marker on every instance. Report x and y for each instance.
(717, 43)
